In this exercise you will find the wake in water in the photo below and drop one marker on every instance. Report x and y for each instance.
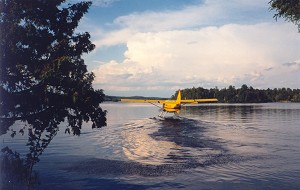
(161, 147)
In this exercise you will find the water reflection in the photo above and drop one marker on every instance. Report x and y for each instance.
(17, 171)
(170, 141)
(154, 147)
(139, 146)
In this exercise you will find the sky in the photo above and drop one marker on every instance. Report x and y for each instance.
(155, 47)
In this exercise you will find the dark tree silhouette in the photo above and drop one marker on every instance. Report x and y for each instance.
(43, 79)
(244, 94)
(42, 73)
(288, 9)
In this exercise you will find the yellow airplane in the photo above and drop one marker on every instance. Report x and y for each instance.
(171, 106)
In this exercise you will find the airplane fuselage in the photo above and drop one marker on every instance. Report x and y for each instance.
(171, 105)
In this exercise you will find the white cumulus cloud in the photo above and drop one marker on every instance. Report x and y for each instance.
(213, 43)
(211, 56)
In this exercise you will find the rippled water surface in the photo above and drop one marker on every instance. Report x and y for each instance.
(211, 146)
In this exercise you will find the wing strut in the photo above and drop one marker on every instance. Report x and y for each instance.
(154, 104)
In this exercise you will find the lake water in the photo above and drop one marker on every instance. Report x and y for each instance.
(212, 146)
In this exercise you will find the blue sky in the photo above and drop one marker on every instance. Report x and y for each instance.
(154, 47)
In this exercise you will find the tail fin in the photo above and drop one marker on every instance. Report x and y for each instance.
(178, 100)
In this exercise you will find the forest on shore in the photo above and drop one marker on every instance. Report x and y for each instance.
(244, 94)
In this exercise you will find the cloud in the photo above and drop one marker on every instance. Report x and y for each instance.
(167, 20)
(113, 38)
(232, 54)
(202, 14)
(295, 64)
(209, 44)
(207, 13)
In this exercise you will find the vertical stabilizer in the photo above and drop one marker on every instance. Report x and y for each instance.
(178, 100)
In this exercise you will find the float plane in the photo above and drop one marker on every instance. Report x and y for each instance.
(171, 106)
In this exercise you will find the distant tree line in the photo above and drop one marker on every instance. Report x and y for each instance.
(244, 94)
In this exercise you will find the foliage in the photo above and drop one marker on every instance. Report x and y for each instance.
(43, 77)
(244, 94)
(296, 97)
(288, 9)
(14, 172)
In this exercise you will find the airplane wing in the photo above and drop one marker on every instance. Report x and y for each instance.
(196, 101)
(143, 101)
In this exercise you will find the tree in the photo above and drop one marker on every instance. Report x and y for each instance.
(288, 9)
(243, 94)
(43, 79)
(230, 94)
(296, 98)
(42, 73)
